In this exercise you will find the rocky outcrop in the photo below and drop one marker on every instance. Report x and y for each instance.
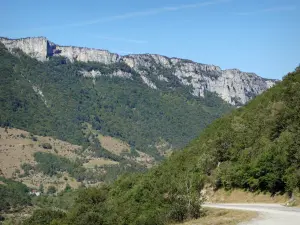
(234, 86)
(40, 48)
(34, 47)
(95, 73)
(82, 54)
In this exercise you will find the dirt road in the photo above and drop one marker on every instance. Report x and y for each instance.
(269, 214)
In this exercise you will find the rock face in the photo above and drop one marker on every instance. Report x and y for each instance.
(34, 47)
(233, 86)
(82, 54)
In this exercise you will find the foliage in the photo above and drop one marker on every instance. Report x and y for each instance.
(101, 152)
(119, 107)
(256, 148)
(34, 138)
(68, 188)
(113, 171)
(47, 146)
(44, 217)
(167, 193)
(13, 195)
(51, 164)
(63, 200)
(41, 188)
(124, 167)
(51, 190)
(26, 167)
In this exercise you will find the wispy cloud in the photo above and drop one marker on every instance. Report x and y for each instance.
(129, 15)
(149, 12)
(268, 10)
(122, 39)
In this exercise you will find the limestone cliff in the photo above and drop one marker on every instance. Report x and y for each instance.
(34, 47)
(233, 86)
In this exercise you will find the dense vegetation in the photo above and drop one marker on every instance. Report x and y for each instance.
(135, 199)
(44, 216)
(119, 107)
(13, 195)
(63, 200)
(51, 164)
(256, 148)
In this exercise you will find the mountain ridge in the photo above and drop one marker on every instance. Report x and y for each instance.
(232, 85)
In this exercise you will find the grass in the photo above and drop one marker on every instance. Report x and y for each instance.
(114, 145)
(222, 217)
(111, 144)
(99, 162)
(17, 147)
(241, 196)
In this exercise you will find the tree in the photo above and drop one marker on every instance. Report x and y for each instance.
(47, 146)
(51, 190)
(41, 188)
(68, 188)
(44, 217)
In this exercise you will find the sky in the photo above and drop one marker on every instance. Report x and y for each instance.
(260, 36)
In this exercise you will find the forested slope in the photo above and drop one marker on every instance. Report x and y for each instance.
(256, 148)
(53, 98)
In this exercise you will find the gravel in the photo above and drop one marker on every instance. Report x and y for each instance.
(269, 214)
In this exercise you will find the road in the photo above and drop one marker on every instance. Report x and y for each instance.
(269, 214)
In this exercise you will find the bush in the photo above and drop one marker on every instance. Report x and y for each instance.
(34, 138)
(68, 188)
(44, 217)
(13, 195)
(51, 164)
(26, 167)
(51, 190)
(47, 146)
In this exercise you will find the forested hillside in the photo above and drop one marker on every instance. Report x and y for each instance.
(53, 98)
(13, 195)
(255, 148)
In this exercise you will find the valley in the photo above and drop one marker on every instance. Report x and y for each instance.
(254, 148)
(138, 139)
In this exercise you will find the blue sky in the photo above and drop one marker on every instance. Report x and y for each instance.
(260, 36)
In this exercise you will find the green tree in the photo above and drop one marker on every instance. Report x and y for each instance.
(51, 190)
(44, 217)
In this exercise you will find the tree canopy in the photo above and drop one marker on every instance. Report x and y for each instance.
(53, 98)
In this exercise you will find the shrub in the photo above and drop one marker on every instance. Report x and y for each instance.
(47, 146)
(44, 217)
(68, 188)
(51, 190)
(34, 138)
(13, 195)
(26, 167)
